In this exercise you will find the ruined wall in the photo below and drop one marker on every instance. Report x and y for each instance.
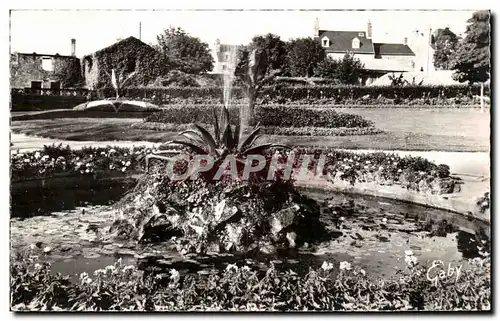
(25, 68)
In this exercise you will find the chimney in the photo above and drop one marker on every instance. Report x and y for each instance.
(369, 30)
(316, 28)
(405, 41)
(73, 47)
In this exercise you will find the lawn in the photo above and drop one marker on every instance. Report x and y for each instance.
(404, 129)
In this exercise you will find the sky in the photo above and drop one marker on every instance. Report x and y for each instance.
(50, 31)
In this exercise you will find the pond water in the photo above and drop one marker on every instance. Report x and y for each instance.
(369, 232)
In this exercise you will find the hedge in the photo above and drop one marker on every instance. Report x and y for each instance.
(281, 116)
(318, 94)
(270, 130)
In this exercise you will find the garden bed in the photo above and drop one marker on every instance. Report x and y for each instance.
(413, 173)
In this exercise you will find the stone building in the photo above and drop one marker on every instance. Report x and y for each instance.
(51, 71)
(125, 56)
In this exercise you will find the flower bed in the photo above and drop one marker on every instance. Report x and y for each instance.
(413, 173)
(54, 160)
(279, 116)
(240, 288)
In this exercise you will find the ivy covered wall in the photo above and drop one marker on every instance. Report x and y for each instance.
(125, 56)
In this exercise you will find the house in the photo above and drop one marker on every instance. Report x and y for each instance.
(44, 71)
(127, 56)
(379, 58)
(224, 57)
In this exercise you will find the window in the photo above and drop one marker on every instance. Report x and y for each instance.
(36, 85)
(47, 64)
(361, 34)
(355, 43)
(325, 42)
(224, 67)
(55, 85)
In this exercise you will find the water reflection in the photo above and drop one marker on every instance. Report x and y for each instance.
(368, 232)
(44, 201)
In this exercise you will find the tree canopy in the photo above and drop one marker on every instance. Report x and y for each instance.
(275, 50)
(185, 52)
(346, 70)
(303, 55)
(445, 44)
(472, 57)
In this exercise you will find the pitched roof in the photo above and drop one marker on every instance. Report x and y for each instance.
(130, 39)
(341, 41)
(392, 49)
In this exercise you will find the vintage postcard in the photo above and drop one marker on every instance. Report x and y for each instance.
(167, 160)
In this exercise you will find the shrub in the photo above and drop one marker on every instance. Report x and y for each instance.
(176, 78)
(279, 116)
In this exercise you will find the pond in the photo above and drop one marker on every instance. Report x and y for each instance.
(369, 232)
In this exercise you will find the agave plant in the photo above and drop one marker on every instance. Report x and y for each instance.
(224, 142)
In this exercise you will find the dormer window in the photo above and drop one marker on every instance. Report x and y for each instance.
(361, 34)
(355, 43)
(325, 42)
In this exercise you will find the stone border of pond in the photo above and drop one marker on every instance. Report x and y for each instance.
(448, 202)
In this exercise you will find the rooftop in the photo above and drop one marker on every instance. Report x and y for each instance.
(392, 49)
(341, 41)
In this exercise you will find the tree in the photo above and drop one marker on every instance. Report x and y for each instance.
(303, 55)
(184, 52)
(445, 44)
(346, 70)
(275, 50)
(471, 60)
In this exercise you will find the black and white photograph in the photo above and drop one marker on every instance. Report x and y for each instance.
(250, 160)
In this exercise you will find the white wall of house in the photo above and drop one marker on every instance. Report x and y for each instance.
(386, 62)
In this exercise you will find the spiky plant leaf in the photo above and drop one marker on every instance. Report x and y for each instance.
(207, 138)
(236, 139)
(216, 125)
(250, 139)
(195, 148)
(192, 135)
(227, 137)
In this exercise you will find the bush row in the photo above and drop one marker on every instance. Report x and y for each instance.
(268, 116)
(331, 287)
(270, 130)
(319, 94)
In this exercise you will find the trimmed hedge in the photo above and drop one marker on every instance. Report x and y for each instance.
(271, 130)
(319, 94)
(281, 116)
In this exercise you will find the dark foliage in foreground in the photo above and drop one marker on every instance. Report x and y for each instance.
(124, 288)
